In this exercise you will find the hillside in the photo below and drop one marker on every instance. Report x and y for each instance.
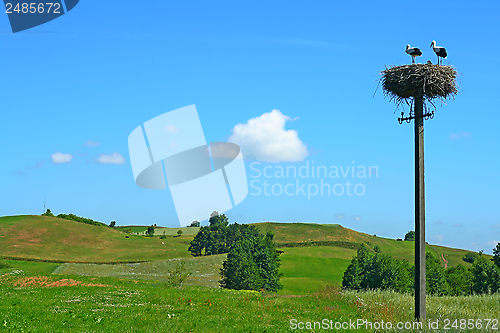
(51, 238)
(343, 237)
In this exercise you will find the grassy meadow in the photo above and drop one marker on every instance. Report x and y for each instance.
(79, 295)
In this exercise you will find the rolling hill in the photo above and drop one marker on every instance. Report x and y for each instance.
(55, 239)
(315, 255)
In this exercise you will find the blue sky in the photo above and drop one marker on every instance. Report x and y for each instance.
(74, 88)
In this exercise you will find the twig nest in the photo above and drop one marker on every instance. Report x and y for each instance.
(426, 80)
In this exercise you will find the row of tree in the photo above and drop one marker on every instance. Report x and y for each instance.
(219, 236)
(377, 271)
(252, 261)
(75, 218)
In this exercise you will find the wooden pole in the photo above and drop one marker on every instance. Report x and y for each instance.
(420, 312)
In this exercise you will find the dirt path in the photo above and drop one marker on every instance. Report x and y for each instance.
(445, 262)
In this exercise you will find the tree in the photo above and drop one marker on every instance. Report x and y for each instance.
(252, 264)
(179, 233)
(435, 277)
(48, 213)
(410, 236)
(496, 255)
(470, 257)
(459, 280)
(219, 236)
(112, 224)
(195, 223)
(485, 276)
(355, 277)
(151, 231)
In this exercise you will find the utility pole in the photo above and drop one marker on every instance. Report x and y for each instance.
(420, 283)
(415, 84)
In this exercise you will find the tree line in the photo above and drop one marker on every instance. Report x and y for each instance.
(75, 218)
(376, 271)
(252, 259)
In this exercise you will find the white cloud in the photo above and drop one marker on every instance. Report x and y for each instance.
(171, 129)
(59, 157)
(115, 158)
(91, 143)
(460, 135)
(265, 138)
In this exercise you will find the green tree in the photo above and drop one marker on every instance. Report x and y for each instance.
(496, 255)
(195, 223)
(470, 257)
(252, 264)
(179, 233)
(367, 271)
(112, 224)
(356, 276)
(151, 231)
(436, 283)
(48, 213)
(353, 275)
(486, 276)
(410, 236)
(219, 236)
(459, 280)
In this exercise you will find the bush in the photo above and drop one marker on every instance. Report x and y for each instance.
(367, 271)
(219, 236)
(459, 280)
(252, 264)
(48, 213)
(496, 255)
(410, 236)
(179, 233)
(178, 276)
(470, 257)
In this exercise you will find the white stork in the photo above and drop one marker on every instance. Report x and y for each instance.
(414, 52)
(440, 51)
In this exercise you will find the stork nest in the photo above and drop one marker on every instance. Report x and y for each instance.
(427, 80)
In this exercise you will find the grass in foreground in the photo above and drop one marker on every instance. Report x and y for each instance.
(68, 303)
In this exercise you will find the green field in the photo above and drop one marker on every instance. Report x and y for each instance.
(159, 231)
(131, 296)
(32, 301)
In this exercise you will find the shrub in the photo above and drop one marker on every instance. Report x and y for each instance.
(178, 276)
(252, 264)
(470, 257)
(410, 236)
